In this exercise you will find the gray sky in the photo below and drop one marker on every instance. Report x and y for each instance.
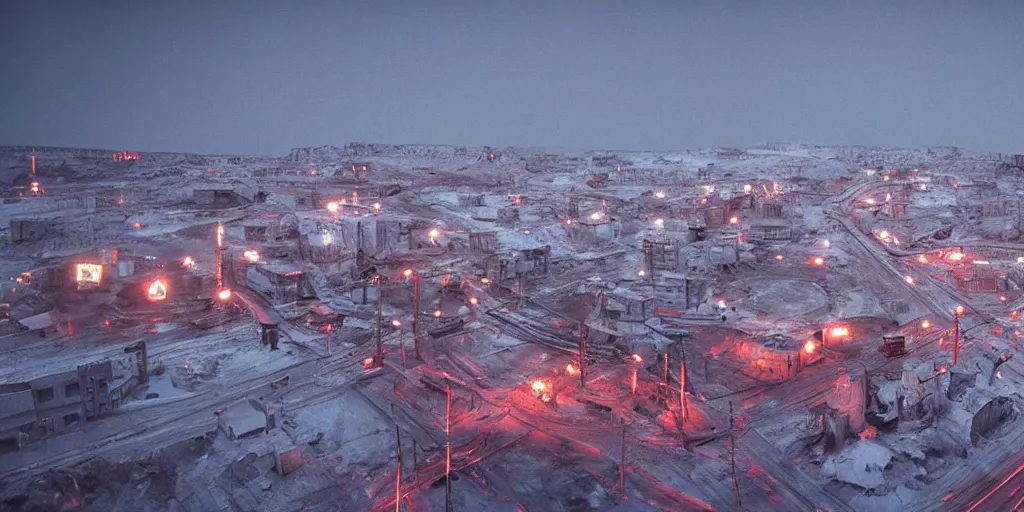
(261, 77)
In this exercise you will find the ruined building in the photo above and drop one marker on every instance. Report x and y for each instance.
(55, 403)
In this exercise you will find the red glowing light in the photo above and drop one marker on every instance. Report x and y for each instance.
(106, 323)
(368, 363)
(637, 358)
(437, 313)
(959, 311)
(157, 291)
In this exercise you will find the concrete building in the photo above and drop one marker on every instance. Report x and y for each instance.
(29, 230)
(279, 283)
(625, 305)
(981, 281)
(771, 230)
(53, 404)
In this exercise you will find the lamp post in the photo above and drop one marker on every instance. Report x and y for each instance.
(401, 340)
(411, 274)
(957, 313)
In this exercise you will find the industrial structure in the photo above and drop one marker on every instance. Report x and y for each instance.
(831, 327)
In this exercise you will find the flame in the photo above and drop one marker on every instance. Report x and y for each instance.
(659, 222)
(434, 234)
(659, 195)
(926, 324)
(220, 235)
(869, 433)
(840, 331)
(224, 294)
(377, 206)
(734, 220)
(641, 272)
(721, 303)
(437, 313)
(251, 256)
(956, 256)
(407, 272)
(396, 323)
(826, 244)
(747, 189)
(909, 279)
(888, 197)
(538, 386)
(809, 347)
(88, 273)
(779, 257)
(819, 261)
(959, 311)
(922, 259)
(999, 373)
(883, 234)
(637, 358)
(368, 363)
(485, 281)
(869, 201)
(568, 222)
(474, 301)
(188, 262)
(326, 238)
(596, 216)
(157, 291)
(332, 207)
(570, 369)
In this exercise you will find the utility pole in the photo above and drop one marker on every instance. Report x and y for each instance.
(682, 393)
(622, 462)
(330, 334)
(379, 358)
(665, 372)
(957, 313)
(398, 473)
(583, 355)
(732, 456)
(416, 311)
(448, 447)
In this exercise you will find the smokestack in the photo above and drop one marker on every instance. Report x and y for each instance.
(33, 166)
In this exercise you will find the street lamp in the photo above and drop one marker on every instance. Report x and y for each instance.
(397, 324)
(957, 313)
